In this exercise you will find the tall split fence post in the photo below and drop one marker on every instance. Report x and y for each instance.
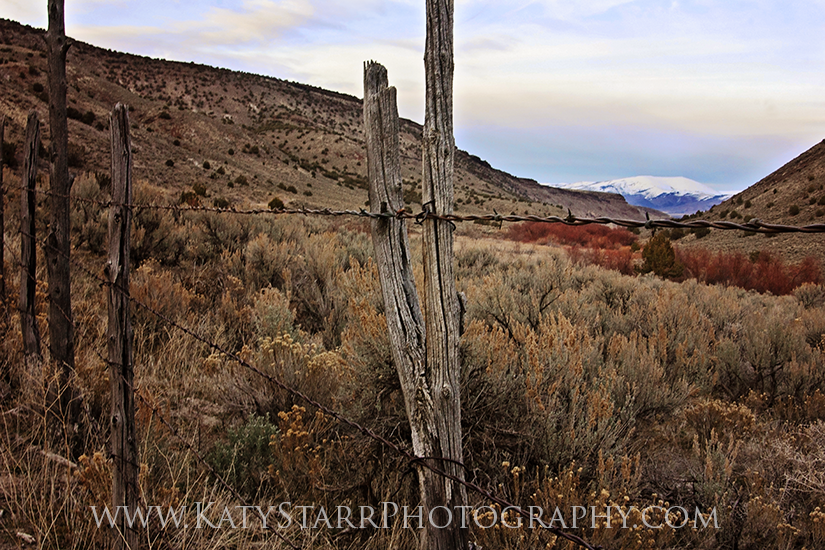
(125, 489)
(433, 424)
(28, 247)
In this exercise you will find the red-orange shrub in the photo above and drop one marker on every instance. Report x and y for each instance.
(588, 236)
(764, 272)
(620, 260)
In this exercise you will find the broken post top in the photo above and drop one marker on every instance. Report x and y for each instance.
(382, 128)
(375, 78)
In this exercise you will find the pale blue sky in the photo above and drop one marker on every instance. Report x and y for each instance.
(721, 91)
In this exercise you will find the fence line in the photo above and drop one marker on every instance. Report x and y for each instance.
(155, 410)
(424, 461)
(754, 226)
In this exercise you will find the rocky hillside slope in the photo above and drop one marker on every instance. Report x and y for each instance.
(239, 138)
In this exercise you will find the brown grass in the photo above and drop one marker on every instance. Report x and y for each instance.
(580, 386)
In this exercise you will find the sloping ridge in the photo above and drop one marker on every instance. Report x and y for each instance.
(793, 194)
(154, 87)
(809, 163)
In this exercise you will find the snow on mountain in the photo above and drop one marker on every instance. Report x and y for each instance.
(676, 196)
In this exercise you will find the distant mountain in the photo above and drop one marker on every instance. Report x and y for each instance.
(676, 196)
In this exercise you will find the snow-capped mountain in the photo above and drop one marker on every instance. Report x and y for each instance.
(676, 196)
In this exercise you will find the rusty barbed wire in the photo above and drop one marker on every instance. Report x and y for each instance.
(424, 461)
(754, 225)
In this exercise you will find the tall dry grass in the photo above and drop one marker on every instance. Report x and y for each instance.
(580, 387)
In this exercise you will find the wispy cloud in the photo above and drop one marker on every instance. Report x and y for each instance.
(702, 74)
(256, 21)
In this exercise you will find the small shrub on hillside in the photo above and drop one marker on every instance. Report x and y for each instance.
(199, 189)
(276, 204)
(189, 197)
(241, 180)
(165, 115)
(660, 258)
(220, 202)
(411, 196)
(701, 232)
(206, 165)
(793, 210)
(170, 163)
(244, 458)
(220, 171)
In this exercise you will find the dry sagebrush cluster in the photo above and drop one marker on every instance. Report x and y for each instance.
(581, 387)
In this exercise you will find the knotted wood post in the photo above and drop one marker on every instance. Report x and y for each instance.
(58, 241)
(28, 248)
(441, 302)
(2, 219)
(125, 490)
(435, 428)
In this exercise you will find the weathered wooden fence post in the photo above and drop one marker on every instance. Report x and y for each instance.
(58, 241)
(2, 219)
(432, 404)
(28, 249)
(125, 490)
(441, 305)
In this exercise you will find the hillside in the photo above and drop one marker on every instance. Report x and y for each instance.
(243, 138)
(794, 194)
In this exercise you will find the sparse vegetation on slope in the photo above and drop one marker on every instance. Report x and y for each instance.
(266, 130)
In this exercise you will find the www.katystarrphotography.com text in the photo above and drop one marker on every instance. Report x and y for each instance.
(285, 515)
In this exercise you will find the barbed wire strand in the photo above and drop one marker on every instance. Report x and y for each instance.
(754, 225)
(424, 461)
